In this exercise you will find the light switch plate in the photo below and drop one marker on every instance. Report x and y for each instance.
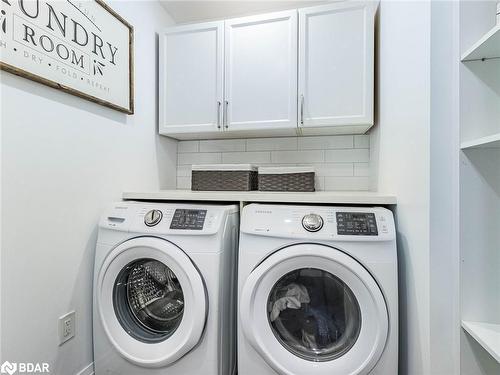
(66, 327)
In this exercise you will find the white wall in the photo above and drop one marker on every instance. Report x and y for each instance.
(400, 156)
(444, 215)
(1, 226)
(63, 160)
(194, 11)
(341, 162)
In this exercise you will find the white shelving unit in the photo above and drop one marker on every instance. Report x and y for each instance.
(487, 335)
(487, 47)
(479, 176)
(491, 141)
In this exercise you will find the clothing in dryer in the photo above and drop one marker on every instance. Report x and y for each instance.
(314, 314)
(293, 296)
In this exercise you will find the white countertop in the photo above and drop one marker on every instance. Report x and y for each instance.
(329, 197)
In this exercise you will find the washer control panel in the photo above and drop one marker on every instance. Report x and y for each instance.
(176, 219)
(356, 223)
(188, 219)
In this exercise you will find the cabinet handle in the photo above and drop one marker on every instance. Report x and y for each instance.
(218, 114)
(225, 113)
(302, 110)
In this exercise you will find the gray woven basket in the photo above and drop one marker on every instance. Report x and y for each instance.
(224, 179)
(301, 182)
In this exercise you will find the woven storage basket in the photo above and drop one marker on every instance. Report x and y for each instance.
(286, 179)
(224, 177)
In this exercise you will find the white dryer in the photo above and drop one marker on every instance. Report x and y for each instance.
(318, 291)
(163, 289)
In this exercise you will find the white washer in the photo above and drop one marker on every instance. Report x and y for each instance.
(163, 289)
(318, 291)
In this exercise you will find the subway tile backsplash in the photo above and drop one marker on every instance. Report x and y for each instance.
(341, 162)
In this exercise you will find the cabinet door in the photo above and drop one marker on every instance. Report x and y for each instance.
(191, 73)
(261, 72)
(336, 63)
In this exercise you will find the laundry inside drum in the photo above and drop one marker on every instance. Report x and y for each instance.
(314, 314)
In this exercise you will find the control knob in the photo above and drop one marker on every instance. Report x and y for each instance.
(153, 217)
(312, 222)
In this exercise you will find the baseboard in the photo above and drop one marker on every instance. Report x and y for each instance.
(88, 370)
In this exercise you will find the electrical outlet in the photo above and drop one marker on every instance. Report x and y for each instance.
(66, 327)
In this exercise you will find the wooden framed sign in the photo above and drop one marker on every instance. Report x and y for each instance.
(81, 47)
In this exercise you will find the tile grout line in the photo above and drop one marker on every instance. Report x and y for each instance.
(336, 174)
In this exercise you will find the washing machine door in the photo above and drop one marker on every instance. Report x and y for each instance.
(312, 309)
(152, 301)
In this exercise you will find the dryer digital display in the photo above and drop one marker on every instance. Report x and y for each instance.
(188, 219)
(356, 224)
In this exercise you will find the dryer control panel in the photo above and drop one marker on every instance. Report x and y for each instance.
(340, 223)
(356, 223)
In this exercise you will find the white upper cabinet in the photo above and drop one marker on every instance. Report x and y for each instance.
(191, 66)
(261, 73)
(336, 68)
(301, 72)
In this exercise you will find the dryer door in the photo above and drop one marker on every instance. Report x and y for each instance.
(312, 309)
(152, 301)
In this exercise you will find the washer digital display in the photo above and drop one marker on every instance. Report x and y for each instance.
(188, 219)
(356, 224)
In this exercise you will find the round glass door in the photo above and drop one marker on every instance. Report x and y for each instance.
(312, 309)
(151, 301)
(314, 315)
(148, 300)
